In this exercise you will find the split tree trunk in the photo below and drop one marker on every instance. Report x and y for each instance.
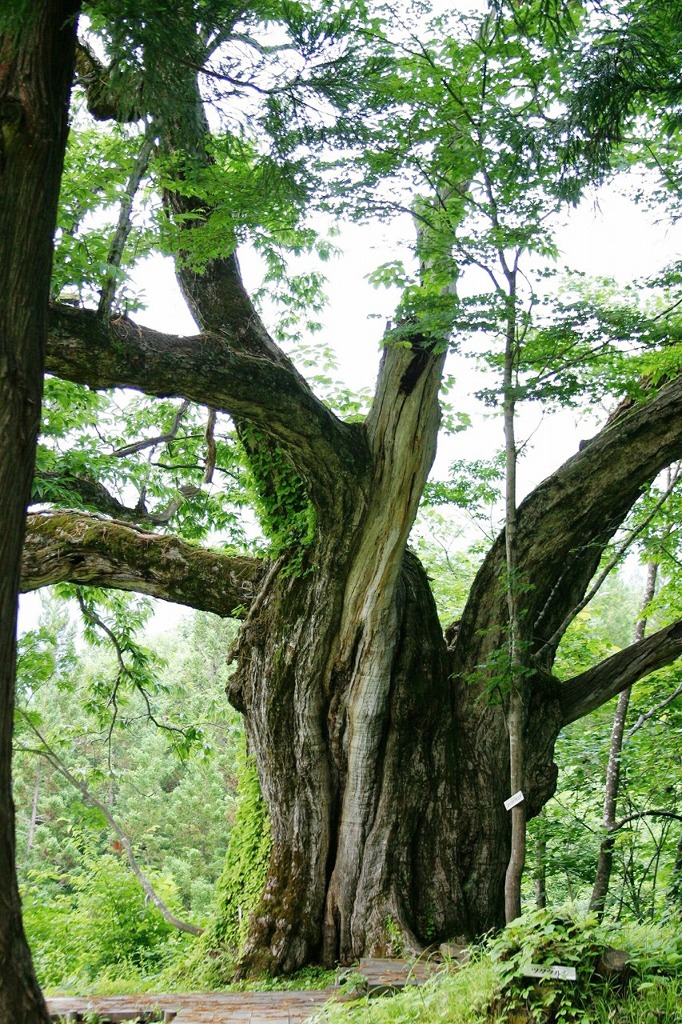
(383, 756)
(36, 65)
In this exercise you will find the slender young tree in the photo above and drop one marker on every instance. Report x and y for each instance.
(604, 864)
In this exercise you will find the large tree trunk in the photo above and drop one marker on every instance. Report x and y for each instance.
(382, 754)
(36, 63)
(342, 678)
(355, 785)
(387, 808)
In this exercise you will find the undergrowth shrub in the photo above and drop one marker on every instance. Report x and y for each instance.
(547, 938)
(492, 987)
(101, 924)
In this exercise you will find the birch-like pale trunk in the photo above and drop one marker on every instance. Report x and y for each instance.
(602, 878)
(516, 702)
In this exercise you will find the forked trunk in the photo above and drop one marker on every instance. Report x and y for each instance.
(385, 797)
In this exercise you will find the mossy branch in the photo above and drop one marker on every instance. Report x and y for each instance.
(75, 547)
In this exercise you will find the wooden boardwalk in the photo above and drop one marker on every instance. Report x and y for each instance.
(195, 1007)
(380, 977)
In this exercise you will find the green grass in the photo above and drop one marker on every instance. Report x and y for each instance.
(492, 988)
(466, 997)
(451, 997)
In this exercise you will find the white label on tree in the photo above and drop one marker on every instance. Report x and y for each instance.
(550, 971)
(513, 800)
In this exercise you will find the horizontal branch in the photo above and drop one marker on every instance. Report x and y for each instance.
(217, 369)
(640, 815)
(74, 547)
(589, 690)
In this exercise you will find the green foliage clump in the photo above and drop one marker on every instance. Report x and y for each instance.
(492, 988)
(98, 923)
(547, 938)
(238, 888)
(170, 786)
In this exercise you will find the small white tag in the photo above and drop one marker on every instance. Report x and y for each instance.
(552, 971)
(513, 801)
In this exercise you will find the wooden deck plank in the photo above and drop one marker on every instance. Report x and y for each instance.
(198, 1007)
(283, 1007)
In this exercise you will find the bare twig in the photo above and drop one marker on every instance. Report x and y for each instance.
(152, 442)
(123, 670)
(652, 712)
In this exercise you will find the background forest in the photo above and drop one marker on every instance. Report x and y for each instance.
(244, 478)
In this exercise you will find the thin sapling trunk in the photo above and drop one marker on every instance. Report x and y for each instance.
(515, 712)
(605, 863)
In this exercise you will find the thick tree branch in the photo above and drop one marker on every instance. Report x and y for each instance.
(318, 446)
(618, 556)
(75, 547)
(218, 369)
(589, 690)
(565, 524)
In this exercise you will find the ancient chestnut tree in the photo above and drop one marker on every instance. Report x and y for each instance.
(381, 740)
